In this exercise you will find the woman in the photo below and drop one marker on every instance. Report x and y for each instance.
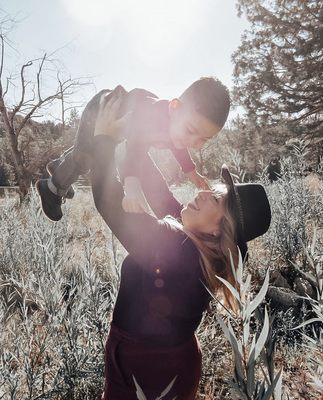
(162, 293)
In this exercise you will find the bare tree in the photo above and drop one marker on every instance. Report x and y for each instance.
(31, 101)
(65, 104)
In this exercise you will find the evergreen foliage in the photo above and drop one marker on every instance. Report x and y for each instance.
(279, 63)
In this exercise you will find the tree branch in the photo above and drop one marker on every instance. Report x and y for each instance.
(38, 75)
(23, 90)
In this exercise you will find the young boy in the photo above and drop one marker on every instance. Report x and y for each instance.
(185, 122)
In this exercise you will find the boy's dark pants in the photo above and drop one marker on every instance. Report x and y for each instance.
(77, 159)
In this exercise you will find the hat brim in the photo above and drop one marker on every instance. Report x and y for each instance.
(236, 208)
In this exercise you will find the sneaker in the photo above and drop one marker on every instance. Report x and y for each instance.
(51, 166)
(51, 203)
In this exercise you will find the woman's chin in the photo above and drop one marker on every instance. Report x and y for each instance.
(186, 215)
(183, 214)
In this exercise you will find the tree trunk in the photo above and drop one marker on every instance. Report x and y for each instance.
(24, 182)
(23, 175)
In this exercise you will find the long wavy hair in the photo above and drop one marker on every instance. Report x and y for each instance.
(215, 251)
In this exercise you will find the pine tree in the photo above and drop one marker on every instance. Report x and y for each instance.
(74, 118)
(279, 64)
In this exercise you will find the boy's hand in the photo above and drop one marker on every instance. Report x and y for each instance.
(199, 181)
(134, 200)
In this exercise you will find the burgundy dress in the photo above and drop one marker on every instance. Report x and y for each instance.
(161, 297)
(153, 367)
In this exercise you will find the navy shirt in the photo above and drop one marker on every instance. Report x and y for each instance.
(161, 296)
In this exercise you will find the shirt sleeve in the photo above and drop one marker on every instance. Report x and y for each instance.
(155, 188)
(141, 234)
(184, 159)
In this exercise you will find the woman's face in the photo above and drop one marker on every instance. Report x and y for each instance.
(205, 212)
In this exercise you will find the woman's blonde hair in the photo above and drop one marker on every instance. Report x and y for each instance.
(215, 251)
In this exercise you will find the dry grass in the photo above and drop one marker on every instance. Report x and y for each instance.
(52, 338)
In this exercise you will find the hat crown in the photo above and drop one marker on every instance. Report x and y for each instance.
(255, 209)
(250, 206)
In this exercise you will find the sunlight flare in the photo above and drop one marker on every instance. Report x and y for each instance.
(154, 30)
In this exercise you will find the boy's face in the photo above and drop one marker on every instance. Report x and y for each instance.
(189, 128)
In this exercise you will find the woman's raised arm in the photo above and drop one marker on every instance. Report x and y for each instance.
(141, 234)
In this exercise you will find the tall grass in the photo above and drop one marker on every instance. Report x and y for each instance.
(58, 288)
(58, 285)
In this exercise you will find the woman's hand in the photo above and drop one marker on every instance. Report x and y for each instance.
(107, 122)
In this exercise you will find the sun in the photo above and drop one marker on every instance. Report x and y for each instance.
(93, 12)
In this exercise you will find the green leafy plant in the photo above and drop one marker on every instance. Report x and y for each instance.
(247, 346)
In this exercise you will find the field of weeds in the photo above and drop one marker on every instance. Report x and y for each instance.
(59, 283)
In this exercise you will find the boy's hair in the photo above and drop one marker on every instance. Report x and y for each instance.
(209, 97)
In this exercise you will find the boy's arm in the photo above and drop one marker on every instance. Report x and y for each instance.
(184, 159)
(189, 168)
(139, 164)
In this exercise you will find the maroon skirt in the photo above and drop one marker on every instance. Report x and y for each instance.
(153, 368)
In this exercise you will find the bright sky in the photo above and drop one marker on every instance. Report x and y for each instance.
(159, 45)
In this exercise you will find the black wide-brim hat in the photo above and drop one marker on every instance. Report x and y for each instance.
(249, 205)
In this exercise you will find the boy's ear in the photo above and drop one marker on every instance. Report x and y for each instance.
(174, 105)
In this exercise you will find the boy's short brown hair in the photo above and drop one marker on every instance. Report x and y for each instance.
(209, 97)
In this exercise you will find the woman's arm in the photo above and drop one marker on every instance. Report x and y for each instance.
(142, 235)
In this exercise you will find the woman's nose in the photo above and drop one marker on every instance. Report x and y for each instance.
(204, 195)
